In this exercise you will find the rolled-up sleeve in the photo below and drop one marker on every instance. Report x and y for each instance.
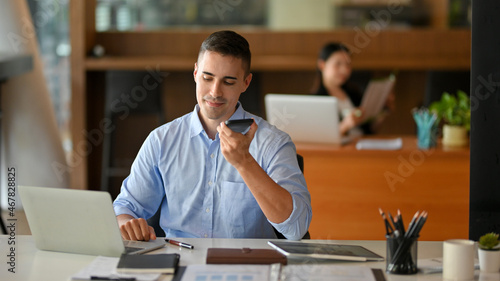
(284, 170)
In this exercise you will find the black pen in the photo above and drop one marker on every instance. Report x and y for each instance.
(112, 278)
(180, 244)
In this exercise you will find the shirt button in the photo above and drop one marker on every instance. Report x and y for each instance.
(212, 156)
(207, 210)
(210, 183)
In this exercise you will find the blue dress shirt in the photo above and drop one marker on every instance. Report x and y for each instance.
(205, 195)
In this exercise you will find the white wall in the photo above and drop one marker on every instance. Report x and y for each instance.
(301, 14)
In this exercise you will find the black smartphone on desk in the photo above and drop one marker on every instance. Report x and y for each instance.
(239, 125)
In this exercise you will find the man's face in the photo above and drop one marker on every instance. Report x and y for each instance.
(220, 80)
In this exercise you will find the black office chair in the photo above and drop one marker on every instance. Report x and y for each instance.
(145, 106)
(154, 221)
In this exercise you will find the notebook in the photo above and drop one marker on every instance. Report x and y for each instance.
(77, 221)
(159, 263)
(306, 118)
(325, 251)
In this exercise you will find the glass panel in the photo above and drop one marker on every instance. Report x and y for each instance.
(124, 15)
(139, 15)
(51, 22)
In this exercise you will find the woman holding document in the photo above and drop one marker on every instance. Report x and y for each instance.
(334, 71)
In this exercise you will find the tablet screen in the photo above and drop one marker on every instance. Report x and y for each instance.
(323, 250)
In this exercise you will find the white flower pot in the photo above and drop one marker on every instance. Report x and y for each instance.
(454, 136)
(489, 261)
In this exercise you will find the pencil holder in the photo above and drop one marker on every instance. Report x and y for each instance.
(401, 255)
(426, 128)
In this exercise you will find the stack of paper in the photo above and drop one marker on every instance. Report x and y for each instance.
(105, 268)
(379, 144)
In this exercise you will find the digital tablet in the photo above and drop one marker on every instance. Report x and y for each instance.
(325, 251)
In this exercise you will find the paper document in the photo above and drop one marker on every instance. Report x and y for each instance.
(380, 144)
(237, 272)
(435, 265)
(375, 96)
(276, 272)
(105, 267)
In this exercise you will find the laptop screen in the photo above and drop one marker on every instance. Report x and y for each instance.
(306, 118)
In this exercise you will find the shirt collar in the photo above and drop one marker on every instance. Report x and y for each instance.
(196, 127)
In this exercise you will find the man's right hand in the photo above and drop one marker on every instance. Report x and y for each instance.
(135, 229)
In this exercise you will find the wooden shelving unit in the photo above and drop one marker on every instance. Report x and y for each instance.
(279, 57)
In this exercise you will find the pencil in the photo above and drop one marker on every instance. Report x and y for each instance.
(388, 228)
(400, 221)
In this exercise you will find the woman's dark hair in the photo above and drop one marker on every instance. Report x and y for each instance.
(227, 42)
(331, 48)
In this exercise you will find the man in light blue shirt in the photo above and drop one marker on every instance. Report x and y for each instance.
(209, 180)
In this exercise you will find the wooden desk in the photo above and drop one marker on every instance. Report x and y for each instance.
(348, 186)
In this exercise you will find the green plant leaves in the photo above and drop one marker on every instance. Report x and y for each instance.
(453, 110)
(488, 241)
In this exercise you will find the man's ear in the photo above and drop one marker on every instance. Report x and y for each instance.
(195, 71)
(248, 79)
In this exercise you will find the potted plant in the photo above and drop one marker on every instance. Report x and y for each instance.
(454, 111)
(489, 253)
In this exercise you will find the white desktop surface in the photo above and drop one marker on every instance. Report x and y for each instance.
(33, 264)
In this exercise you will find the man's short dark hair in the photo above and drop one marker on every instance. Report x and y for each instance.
(228, 43)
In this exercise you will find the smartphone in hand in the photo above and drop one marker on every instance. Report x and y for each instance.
(239, 125)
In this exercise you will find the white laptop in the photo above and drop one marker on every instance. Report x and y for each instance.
(306, 118)
(77, 221)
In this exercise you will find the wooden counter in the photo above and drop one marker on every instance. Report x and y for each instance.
(348, 186)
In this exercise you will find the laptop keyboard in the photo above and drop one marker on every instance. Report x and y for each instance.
(129, 250)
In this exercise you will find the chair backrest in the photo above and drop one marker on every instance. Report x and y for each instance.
(154, 221)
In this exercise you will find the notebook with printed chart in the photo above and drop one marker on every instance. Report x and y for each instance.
(77, 221)
(306, 118)
(325, 251)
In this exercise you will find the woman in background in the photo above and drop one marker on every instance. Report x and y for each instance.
(334, 71)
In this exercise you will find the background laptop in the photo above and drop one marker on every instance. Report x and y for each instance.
(77, 221)
(306, 118)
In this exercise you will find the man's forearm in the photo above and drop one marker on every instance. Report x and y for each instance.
(275, 201)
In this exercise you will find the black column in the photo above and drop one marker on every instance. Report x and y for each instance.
(485, 125)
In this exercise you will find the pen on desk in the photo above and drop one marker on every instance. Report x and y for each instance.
(112, 278)
(180, 244)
